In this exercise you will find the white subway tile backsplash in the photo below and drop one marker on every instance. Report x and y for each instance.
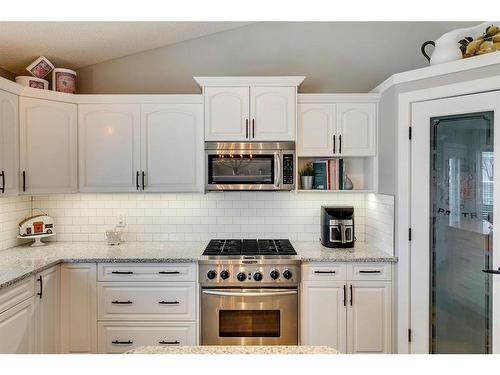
(12, 211)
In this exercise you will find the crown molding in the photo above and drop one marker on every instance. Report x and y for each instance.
(250, 81)
(338, 98)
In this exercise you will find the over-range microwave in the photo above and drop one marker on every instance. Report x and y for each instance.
(250, 165)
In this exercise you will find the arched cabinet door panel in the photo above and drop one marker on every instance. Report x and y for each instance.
(316, 129)
(9, 144)
(356, 129)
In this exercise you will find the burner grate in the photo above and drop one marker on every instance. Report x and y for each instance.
(249, 247)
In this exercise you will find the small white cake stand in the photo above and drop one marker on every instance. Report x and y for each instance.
(37, 238)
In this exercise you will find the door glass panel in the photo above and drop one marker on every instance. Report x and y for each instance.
(241, 169)
(461, 232)
(249, 323)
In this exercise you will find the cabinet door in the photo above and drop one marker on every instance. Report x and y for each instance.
(324, 314)
(316, 129)
(272, 113)
(9, 145)
(78, 308)
(227, 113)
(369, 317)
(172, 147)
(17, 334)
(48, 144)
(109, 147)
(47, 311)
(356, 129)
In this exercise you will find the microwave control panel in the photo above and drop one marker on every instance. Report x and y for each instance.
(288, 169)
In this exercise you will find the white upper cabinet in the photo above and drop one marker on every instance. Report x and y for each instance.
(109, 147)
(272, 112)
(48, 146)
(9, 144)
(356, 128)
(330, 125)
(227, 113)
(250, 108)
(172, 147)
(316, 129)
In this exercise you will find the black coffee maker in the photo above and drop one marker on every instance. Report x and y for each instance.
(337, 226)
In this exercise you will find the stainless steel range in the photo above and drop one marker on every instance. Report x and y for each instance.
(249, 292)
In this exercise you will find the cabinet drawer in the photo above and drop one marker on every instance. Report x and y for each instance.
(119, 337)
(146, 272)
(324, 272)
(146, 301)
(16, 293)
(369, 271)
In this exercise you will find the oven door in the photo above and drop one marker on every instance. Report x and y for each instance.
(249, 317)
(243, 170)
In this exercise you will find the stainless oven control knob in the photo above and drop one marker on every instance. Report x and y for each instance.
(257, 276)
(274, 274)
(241, 276)
(224, 274)
(287, 274)
(211, 274)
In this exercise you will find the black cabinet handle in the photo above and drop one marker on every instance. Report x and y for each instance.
(128, 342)
(370, 271)
(253, 128)
(121, 302)
(3, 182)
(325, 272)
(345, 295)
(168, 272)
(340, 143)
(334, 143)
(122, 272)
(246, 127)
(493, 272)
(24, 181)
(163, 342)
(143, 180)
(137, 180)
(351, 298)
(40, 293)
(168, 302)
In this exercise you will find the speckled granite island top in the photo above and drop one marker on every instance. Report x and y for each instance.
(22, 261)
(273, 349)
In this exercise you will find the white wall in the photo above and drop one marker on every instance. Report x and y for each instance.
(335, 57)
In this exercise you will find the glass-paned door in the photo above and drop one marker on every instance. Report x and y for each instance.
(453, 193)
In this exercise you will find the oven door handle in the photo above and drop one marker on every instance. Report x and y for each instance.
(277, 169)
(249, 294)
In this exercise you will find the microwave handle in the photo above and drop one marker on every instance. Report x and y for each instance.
(277, 169)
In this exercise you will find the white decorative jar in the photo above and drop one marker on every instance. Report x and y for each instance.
(36, 83)
(64, 80)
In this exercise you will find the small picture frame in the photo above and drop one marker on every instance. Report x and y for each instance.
(41, 67)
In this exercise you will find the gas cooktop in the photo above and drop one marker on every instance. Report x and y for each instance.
(263, 247)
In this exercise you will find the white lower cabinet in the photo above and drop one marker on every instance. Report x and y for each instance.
(353, 316)
(17, 332)
(47, 311)
(78, 308)
(118, 337)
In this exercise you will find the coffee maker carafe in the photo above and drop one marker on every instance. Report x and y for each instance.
(337, 226)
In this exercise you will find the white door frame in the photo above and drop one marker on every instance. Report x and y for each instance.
(402, 212)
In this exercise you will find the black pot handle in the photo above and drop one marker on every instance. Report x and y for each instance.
(422, 49)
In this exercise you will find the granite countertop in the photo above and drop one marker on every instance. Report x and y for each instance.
(22, 261)
(272, 349)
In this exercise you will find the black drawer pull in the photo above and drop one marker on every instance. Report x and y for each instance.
(370, 271)
(325, 272)
(163, 342)
(121, 302)
(116, 342)
(122, 272)
(169, 272)
(168, 302)
(3, 181)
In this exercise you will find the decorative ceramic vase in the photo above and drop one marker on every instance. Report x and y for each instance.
(348, 183)
(307, 182)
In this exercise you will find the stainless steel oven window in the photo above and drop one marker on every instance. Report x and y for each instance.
(249, 323)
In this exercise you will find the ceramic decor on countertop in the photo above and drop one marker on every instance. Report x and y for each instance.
(20, 262)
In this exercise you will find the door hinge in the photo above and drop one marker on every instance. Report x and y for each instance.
(409, 132)
(409, 234)
(409, 335)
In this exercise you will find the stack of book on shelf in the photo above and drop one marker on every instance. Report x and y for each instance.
(329, 174)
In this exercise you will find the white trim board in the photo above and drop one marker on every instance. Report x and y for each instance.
(338, 98)
(249, 81)
(470, 63)
(402, 211)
